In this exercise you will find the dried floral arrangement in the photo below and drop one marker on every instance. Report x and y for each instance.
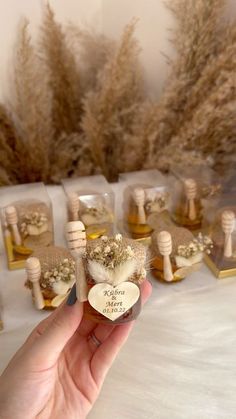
(113, 260)
(80, 106)
(34, 223)
(199, 244)
(54, 273)
(97, 215)
(61, 277)
(184, 244)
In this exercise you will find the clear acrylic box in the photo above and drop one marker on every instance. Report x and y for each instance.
(222, 230)
(91, 200)
(145, 194)
(194, 191)
(27, 221)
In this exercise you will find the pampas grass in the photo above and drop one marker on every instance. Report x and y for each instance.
(12, 162)
(111, 107)
(31, 107)
(43, 139)
(80, 105)
(199, 91)
(63, 73)
(91, 51)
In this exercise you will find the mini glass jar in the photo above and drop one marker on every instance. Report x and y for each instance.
(193, 190)
(145, 194)
(177, 253)
(27, 221)
(222, 259)
(90, 199)
(114, 270)
(50, 276)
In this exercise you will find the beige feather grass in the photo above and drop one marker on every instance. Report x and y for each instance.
(80, 106)
(32, 107)
(114, 277)
(63, 74)
(111, 107)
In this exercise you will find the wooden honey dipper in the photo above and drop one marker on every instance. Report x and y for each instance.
(76, 241)
(33, 270)
(191, 194)
(139, 199)
(12, 220)
(228, 224)
(73, 203)
(164, 242)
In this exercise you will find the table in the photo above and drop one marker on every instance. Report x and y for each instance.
(180, 360)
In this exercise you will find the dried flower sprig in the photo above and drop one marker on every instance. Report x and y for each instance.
(34, 218)
(158, 203)
(113, 261)
(99, 211)
(65, 272)
(111, 252)
(199, 245)
(211, 191)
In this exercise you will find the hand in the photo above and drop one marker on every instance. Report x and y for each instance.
(59, 371)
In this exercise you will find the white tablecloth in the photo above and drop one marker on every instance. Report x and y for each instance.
(180, 360)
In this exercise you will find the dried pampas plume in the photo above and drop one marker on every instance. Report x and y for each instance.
(91, 51)
(111, 107)
(79, 106)
(63, 73)
(199, 92)
(31, 107)
(10, 156)
(40, 134)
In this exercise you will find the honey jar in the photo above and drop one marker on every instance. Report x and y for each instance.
(50, 276)
(91, 200)
(27, 221)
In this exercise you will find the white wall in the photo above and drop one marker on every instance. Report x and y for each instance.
(111, 15)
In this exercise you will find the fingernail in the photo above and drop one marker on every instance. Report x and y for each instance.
(72, 296)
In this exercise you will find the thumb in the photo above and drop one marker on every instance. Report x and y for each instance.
(58, 332)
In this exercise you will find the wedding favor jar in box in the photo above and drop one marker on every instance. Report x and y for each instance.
(145, 194)
(176, 253)
(222, 259)
(27, 221)
(193, 190)
(50, 276)
(109, 272)
(90, 199)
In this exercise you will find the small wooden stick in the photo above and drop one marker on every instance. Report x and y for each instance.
(76, 240)
(12, 220)
(228, 224)
(164, 242)
(33, 270)
(73, 203)
(139, 199)
(191, 193)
